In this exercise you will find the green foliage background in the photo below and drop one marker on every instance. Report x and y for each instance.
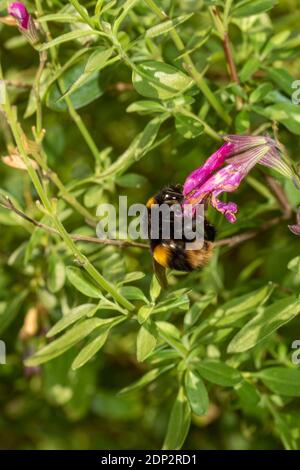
(212, 354)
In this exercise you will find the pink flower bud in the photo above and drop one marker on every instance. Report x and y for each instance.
(25, 22)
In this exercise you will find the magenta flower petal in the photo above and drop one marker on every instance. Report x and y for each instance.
(228, 178)
(295, 229)
(240, 154)
(229, 209)
(20, 12)
(26, 23)
(202, 174)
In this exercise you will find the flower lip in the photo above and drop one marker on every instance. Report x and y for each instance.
(20, 13)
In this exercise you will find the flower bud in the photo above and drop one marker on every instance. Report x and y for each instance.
(25, 22)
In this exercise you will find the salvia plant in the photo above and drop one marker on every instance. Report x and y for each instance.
(123, 97)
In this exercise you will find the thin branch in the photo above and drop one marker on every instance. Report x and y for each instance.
(8, 204)
(280, 195)
(229, 242)
(223, 31)
(237, 239)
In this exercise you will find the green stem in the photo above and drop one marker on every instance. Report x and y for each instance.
(83, 260)
(37, 86)
(72, 111)
(190, 67)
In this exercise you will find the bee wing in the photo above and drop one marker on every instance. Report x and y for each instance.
(160, 273)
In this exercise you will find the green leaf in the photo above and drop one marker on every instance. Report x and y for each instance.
(287, 114)
(82, 283)
(146, 342)
(145, 107)
(294, 265)
(94, 346)
(133, 293)
(144, 313)
(171, 335)
(75, 314)
(98, 59)
(248, 395)
(197, 309)
(267, 321)
(196, 393)
(260, 92)
(238, 308)
(90, 350)
(181, 302)
(88, 91)
(249, 68)
(252, 7)
(166, 26)
(131, 277)
(159, 80)
(139, 147)
(242, 122)
(219, 373)
(146, 379)
(281, 78)
(66, 341)
(131, 180)
(155, 289)
(71, 36)
(56, 274)
(11, 310)
(281, 380)
(187, 126)
(179, 423)
(93, 196)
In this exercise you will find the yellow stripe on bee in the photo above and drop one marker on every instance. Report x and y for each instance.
(150, 202)
(161, 255)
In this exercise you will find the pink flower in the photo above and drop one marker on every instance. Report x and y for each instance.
(296, 228)
(241, 154)
(25, 22)
(20, 13)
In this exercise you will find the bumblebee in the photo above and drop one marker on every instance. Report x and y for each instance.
(172, 252)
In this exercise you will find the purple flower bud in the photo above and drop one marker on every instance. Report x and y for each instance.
(25, 22)
(20, 13)
(241, 154)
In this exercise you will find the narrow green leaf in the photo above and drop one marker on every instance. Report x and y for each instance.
(71, 36)
(146, 379)
(66, 341)
(219, 373)
(264, 324)
(281, 380)
(146, 342)
(249, 68)
(166, 26)
(98, 59)
(196, 393)
(133, 293)
(179, 423)
(76, 314)
(252, 7)
(90, 350)
(56, 274)
(82, 283)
